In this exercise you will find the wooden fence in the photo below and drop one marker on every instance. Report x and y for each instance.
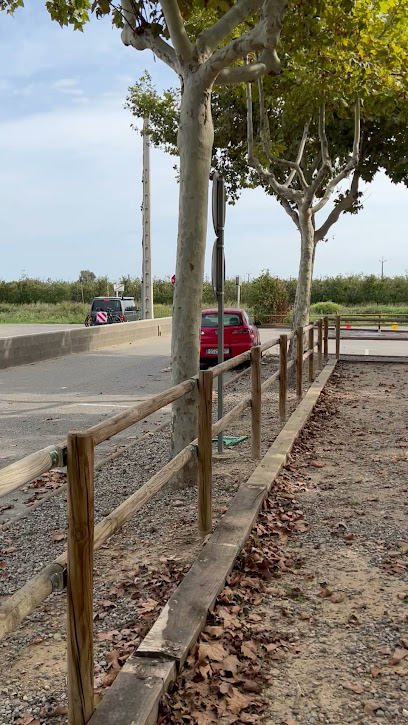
(74, 568)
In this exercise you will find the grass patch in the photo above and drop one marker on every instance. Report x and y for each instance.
(43, 312)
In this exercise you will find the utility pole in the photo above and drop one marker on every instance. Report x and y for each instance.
(382, 260)
(147, 279)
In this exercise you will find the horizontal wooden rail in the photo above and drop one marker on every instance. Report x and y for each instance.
(21, 472)
(25, 600)
(307, 354)
(230, 364)
(236, 377)
(232, 415)
(270, 343)
(272, 379)
(108, 428)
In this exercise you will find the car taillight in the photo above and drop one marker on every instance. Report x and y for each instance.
(244, 331)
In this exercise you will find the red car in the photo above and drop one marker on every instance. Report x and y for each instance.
(239, 334)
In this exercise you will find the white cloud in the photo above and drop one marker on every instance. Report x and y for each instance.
(68, 86)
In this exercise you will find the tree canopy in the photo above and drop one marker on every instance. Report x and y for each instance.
(353, 49)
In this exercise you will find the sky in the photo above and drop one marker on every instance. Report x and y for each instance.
(71, 167)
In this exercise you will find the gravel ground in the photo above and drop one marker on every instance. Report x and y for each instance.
(346, 603)
(313, 622)
(134, 572)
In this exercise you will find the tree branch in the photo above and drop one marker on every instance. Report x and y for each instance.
(210, 38)
(265, 37)
(324, 144)
(266, 141)
(268, 63)
(250, 122)
(143, 39)
(292, 212)
(299, 155)
(345, 203)
(177, 31)
(237, 48)
(351, 164)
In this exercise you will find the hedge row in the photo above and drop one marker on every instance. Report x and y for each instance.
(352, 290)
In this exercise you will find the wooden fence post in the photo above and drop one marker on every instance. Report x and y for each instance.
(80, 469)
(320, 343)
(337, 336)
(283, 375)
(299, 361)
(311, 356)
(326, 337)
(205, 391)
(256, 401)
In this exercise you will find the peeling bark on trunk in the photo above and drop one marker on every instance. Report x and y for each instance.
(195, 141)
(307, 253)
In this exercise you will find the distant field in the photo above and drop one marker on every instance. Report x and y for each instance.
(59, 313)
(75, 312)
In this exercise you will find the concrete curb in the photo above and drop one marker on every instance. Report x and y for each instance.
(134, 697)
(374, 358)
(27, 349)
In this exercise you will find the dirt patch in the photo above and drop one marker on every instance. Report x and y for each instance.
(321, 592)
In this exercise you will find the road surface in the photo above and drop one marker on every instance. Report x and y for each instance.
(41, 402)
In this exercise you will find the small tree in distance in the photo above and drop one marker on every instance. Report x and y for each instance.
(268, 297)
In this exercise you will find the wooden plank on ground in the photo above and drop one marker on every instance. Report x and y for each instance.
(169, 641)
(134, 696)
(182, 619)
(236, 524)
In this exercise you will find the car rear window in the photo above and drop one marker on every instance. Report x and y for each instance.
(231, 319)
(107, 304)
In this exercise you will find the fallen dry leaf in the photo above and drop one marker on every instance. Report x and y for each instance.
(337, 598)
(230, 664)
(325, 593)
(399, 654)
(358, 689)
(202, 718)
(37, 639)
(58, 535)
(149, 605)
(213, 651)
(248, 649)
(236, 700)
(371, 707)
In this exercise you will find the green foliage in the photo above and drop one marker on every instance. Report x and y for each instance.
(331, 52)
(268, 297)
(350, 291)
(42, 312)
(324, 308)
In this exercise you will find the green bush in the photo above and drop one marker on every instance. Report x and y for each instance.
(325, 308)
(268, 297)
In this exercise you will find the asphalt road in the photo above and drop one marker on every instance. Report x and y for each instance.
(40, 403)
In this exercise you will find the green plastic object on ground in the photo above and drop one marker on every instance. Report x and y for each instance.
(231, 440)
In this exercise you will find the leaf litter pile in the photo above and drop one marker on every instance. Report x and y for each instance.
(312, 626)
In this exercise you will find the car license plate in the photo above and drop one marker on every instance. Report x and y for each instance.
(214, 351)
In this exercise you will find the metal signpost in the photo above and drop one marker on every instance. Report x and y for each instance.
(218, 279)
(147, 279)
(238, 283)
(118, 288)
